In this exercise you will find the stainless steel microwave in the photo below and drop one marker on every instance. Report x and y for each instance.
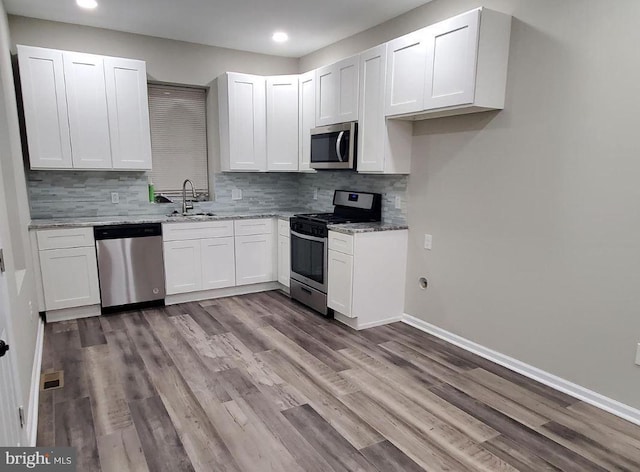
(334, 147)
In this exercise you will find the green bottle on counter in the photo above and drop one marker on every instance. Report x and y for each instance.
(152, 192)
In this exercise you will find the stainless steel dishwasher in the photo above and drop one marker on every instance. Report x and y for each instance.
(130, 264)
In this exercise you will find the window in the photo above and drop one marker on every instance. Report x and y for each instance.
(177, 117)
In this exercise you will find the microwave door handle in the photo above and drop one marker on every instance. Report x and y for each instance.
(339, 146)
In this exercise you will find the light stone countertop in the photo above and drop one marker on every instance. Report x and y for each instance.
(351, 228)
(121, 220)
(354, 228)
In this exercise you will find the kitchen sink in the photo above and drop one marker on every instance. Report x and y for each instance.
(176, 214)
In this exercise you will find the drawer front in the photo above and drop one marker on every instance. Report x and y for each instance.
(65, 238)
(283, 228)
(341, 242)
(253, 226)
(197, 230)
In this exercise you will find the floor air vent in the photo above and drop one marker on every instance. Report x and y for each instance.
(52, 380)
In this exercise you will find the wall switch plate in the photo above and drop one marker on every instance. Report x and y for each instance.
(398, 202)
(428, 241)
(236, 194)
(115, 198)
(638, 355)
(315, 193)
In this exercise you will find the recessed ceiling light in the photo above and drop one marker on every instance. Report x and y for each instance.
(280, 37)
(88, 4)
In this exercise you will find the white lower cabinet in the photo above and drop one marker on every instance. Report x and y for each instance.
(183, 266)
(69, 268)
(366, 276)
(195, 262)
(218, 263)
(340, 291)
(284, 259)
(254, 259)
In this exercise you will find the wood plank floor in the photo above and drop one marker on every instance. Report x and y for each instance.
(259, 383)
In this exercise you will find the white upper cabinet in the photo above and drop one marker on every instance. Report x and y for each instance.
(451, 61)
(88, 115)
(282, 123)
(127, 101)
(242, 108)
(84, 111)
(306, 117)
(384, 146)
(406, 63)
(464, 67)
(337, 92)
(45, 107)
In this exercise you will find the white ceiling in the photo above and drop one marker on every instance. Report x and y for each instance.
(238, 24)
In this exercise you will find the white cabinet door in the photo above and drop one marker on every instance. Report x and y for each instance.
(218, 263)
(45, 107)
(340, 278)
(337, 92)
(384, 146)
(406, 64)
(242, 110)
(452, 49)
(282, 123)
(307, 117)
(88, 116)
(371, 126)
(284, 260)
(182, 266)
(128, 106)
(70, 277)
(255, 259)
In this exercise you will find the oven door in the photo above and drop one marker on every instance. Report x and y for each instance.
(309, 260)
(333, 147)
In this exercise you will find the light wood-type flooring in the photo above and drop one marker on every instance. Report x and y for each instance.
(259, 383)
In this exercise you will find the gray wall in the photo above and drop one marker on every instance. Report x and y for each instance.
(534, 209)
(15, 238)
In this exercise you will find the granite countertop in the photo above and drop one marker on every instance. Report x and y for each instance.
(350, 228)
(353, 228)
(120, 220)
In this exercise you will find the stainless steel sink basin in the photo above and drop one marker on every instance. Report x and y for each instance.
(190, 215)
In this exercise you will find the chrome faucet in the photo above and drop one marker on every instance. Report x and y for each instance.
(186, 206)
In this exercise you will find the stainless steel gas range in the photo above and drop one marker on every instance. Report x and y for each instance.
(309, 244)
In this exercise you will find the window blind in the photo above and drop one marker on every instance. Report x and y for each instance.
(177, 117)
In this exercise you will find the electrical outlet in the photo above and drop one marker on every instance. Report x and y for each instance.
(115, 198)
(315, 193)
(428, 241)
(398, 202)
(236, 194)
(638, 355)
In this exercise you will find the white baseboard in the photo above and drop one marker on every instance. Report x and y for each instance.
(577, 391)
(220, 292)
(34, 394)
(354, 324)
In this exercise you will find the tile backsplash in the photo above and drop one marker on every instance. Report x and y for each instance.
(66, 194)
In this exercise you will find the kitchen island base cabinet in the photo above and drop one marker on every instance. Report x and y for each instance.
(367, 277)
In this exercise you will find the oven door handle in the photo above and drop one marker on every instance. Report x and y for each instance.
(339, 146)
(305, 236)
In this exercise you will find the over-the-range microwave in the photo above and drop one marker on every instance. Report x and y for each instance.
(334, 147)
